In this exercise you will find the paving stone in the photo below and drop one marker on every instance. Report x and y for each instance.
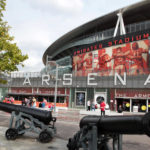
(30, 142)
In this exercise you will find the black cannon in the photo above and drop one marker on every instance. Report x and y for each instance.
(96, 131)
(25, 119)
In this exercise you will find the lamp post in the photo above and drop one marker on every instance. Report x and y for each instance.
(50, 63)
(56, 85)
(55, 98)
(54, 63)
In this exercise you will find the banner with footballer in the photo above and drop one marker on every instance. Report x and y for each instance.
(132, 58)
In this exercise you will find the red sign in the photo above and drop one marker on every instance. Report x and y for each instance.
(51, 91)
(112, 42)
(132, 94)
(21, 90)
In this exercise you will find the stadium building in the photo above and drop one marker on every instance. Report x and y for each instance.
(107, 57)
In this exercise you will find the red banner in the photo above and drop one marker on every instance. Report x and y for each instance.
(131, 58)
(51, 91)
(132, 93)
(21, 90)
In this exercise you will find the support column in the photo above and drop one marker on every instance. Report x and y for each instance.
(106, 95)
(9, 90)
(121, 23)
(130, 105)
(70, 97)
(147, 105)
(115, 102)
(55, 94)
(37, 90)
(74, 103)
(86, 98)
(65, 98)
(65, 91)
(94, 94)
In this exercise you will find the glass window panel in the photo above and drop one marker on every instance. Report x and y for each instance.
(133, 28)
(108, 33)
(143, 26)
(112, 32)
(148, 25)
(138, 27)
(100, 36)
(97, 38)
(104, 34)
(128, 29)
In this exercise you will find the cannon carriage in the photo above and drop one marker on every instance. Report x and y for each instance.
(24, 119)
(96, 131)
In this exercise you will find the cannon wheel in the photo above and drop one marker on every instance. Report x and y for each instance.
(45, 137)
(11, 134)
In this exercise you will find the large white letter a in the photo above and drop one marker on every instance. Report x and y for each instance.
(147, 80)
(27, 81)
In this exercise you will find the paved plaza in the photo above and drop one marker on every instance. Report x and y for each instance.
(29, 142)
(67, 125)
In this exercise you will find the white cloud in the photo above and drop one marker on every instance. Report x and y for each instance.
(33, 38)
(71, 6)
(33, 32)
(35, 53)
(32, 68)
(74, 5)
(34, 61)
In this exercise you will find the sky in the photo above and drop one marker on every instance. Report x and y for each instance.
(36, 24)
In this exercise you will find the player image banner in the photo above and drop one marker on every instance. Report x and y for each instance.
(132, 58)
(80, 98)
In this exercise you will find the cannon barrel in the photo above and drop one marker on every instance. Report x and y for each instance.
(42, 115)
(119, 124)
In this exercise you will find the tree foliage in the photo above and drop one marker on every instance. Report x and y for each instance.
(10, 55)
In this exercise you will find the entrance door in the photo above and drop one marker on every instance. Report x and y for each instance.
(140, 103)
(124, 103)
(99, 96)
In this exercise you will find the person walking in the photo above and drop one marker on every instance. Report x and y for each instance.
(120, 109)
(12, 100)
(93, 106)
(23, 102)
(102, 107)
(88, 105)
(34, 102)
(30, 101)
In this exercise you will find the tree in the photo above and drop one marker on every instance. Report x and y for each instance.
(10, 55)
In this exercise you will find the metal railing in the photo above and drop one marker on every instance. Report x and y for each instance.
(82, 73)
(25, 74)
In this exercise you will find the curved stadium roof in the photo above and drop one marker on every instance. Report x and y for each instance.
(134, 13)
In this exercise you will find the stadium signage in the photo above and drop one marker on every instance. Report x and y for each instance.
(113, 41)
(91, 80)
(133, 94)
